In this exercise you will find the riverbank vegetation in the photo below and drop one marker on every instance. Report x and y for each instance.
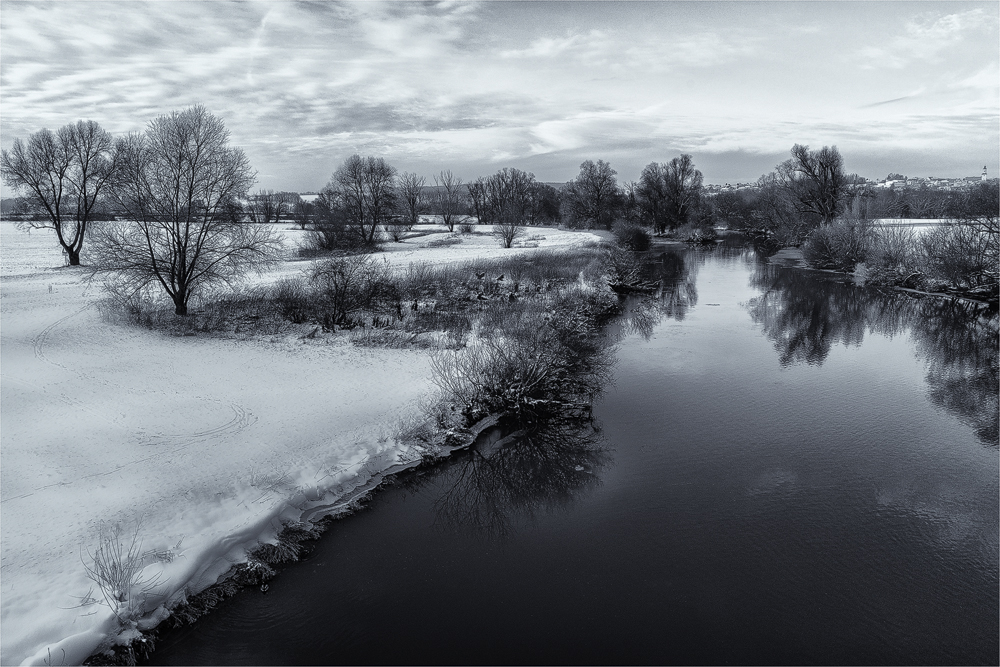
(960, 255)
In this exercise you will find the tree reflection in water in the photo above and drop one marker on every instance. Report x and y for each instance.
(490, 488)
(804, 315)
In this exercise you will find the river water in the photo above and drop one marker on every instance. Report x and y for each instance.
(786, 469)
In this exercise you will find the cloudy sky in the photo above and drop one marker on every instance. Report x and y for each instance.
(907, 87)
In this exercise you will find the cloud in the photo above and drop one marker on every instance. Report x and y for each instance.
(593, 42)
(928, 36)
(620, 51)
(473, 86)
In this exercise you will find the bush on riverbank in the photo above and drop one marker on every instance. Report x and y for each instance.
(362, 292)
(632, 236)
(839, 246)
(961, 255)
(530, 358)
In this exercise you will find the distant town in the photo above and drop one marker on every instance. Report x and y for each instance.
(894, 181)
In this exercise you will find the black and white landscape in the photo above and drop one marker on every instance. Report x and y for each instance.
(495, 332)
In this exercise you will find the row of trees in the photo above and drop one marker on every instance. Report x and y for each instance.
(67, 174)
(367, 195)
(178, 193)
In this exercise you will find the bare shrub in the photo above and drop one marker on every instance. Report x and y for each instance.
(962, 254)
(621, 265)
(124, 303)
(893, 257)
(535, 358)
(840, 245)
(696, 232)
(632, 236)
(467, 227)
(499, 375)
(508, 225)
(334, 236)
(116, 568)
(446, 241)
(350, 283)
(396, 229)
(292, 300)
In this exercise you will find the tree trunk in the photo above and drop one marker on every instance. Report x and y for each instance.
(180, 307)
(74, 256)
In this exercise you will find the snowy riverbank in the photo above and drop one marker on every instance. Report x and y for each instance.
(209, 444)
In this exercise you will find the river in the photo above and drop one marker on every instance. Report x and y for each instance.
(786, 469)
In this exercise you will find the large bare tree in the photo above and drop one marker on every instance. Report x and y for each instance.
(64, 175)
(683, 190)
(816, 180)
(669, 193)
(506, 202)
(651, 196)
(363, 194)
(177, 188)
(411, 197)
(593, 199)
(449, 196)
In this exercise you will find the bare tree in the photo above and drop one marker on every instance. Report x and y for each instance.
(267, 206)
(450, 198)
(592, 199)
(302, 212)
(683, 190)
(668, 194)
(775, 213)
(477, 197)
(64, 175)
(411, 197)
(651, 196)
(365, 190)
(545, 204)
(507, 197)
(176, 187)
(816, 180)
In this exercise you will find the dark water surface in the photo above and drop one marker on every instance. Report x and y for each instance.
(787, 470)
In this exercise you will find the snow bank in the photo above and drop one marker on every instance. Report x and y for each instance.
(209, 444)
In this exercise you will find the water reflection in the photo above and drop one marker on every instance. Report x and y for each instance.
(489, 488)
(805, 315)
(675, 268)
(677, 273)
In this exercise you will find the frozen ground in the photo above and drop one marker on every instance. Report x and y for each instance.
(209, 444)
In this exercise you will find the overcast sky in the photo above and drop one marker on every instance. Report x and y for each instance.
(907, 87)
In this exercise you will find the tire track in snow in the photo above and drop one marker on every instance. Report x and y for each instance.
(242, 417)
(39, 341)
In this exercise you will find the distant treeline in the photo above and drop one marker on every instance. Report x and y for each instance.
(80, 174)
(367, 199)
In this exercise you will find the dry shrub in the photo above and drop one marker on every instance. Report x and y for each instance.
(893, 257)
(963, 254)
(344, 285)
(632, 236)
(841, 245)
(530, 358)
(622, 266)
(116, 568)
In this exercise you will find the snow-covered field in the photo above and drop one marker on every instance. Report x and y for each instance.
(208, 444)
